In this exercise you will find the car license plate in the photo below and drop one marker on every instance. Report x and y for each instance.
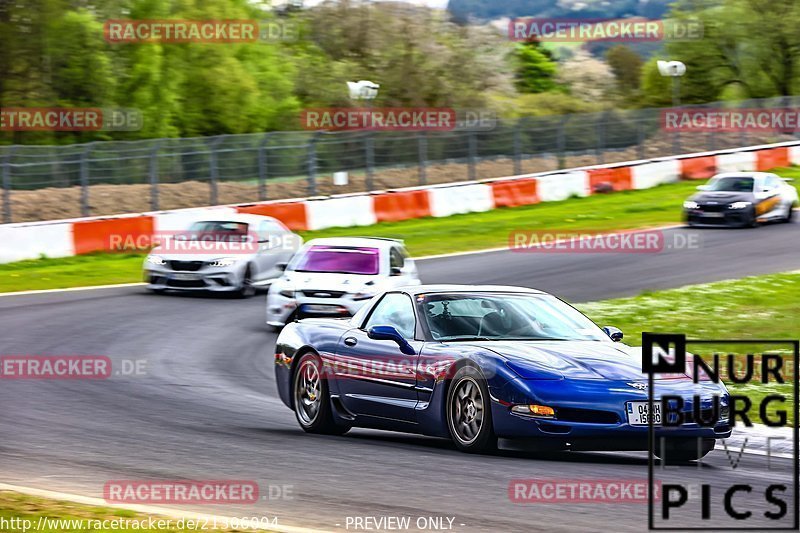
(714, 215)
(185, 277)
(638, 416)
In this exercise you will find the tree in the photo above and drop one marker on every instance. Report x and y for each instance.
(627, 68)
(749, 49)
(535, 69)
(588, 78)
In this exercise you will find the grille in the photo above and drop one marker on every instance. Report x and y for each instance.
(186, 266)
(324, 294)
(705, 414)
(718, 208)
(187, 283)
(568, 414)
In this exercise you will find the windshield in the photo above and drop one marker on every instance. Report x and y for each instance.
(338, 260)
(506, 317)
(224, 231)
(732, 184)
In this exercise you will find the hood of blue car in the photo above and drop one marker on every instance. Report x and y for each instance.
(569, 359)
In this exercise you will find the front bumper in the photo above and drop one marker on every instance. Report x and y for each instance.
(726, 217)
(280, 309)
(216, 280)
(589, 411)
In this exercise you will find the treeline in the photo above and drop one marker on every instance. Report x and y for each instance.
(53, 53)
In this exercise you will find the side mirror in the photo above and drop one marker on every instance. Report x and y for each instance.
(281, 266)
(702, 187)
(396, 271)
(614, 333)
(390, 333)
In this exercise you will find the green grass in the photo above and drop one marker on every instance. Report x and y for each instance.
(78, 271)
(759, 307)
(424, 236)
(475, 231)
(16, 508)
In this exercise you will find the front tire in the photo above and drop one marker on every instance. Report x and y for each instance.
(246, 289)
(789, 214)
(469, 412)
(752, 220)
(312, 405)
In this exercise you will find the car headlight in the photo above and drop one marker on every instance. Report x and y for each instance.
(740, 205)
(538, 411)
(688, 204)
(286, 293)
(364, 295)
(223, 262)
(156, 260)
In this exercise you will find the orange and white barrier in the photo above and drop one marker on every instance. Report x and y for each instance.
(460, 198)
(657, 173)
(79, 236)
(562, 185)
(355, 210)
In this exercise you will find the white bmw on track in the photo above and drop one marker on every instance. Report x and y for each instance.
(335, 277)
(235, 253)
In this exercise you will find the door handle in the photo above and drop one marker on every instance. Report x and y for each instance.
(350, 341)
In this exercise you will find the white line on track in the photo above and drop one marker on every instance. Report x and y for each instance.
(145, 509)
(72, 289)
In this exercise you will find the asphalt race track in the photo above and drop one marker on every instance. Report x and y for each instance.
(207, 406)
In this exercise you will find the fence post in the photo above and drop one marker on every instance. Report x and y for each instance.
(422, 151)
(561, 145)
(369, 145)
(311, 163)
(7, 186)
(263, 170)
(517, 149)
(153, 171)
(640, 139)
(472, 146)
(601, 139)
(214, 171)
(84, 177)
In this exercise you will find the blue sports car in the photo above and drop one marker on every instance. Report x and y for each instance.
(475, 364)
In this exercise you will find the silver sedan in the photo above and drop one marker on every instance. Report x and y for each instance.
(236, 254)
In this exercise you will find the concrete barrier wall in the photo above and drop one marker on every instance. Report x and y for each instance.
(64, 238)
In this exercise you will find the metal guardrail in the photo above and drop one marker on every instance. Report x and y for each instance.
(156, 174)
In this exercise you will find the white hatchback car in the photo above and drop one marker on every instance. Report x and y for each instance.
(335, 277)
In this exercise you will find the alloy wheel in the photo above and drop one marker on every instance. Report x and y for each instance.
(467, 410)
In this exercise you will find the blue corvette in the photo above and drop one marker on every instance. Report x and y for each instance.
(475, 364)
